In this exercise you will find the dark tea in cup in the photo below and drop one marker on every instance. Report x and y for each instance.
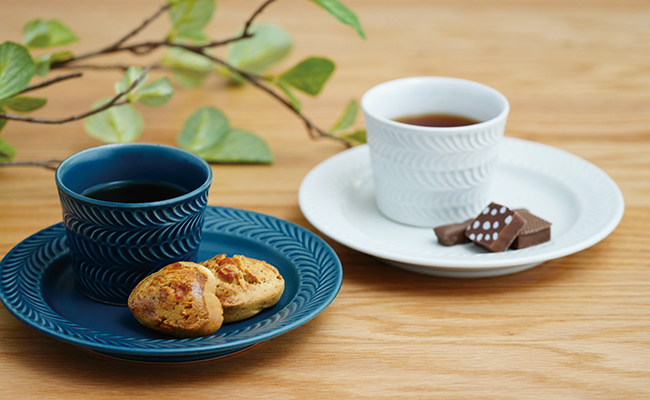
(440, 120)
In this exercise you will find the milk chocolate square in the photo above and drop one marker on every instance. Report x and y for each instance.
(495, 228)
(452, 234)
(535, 230)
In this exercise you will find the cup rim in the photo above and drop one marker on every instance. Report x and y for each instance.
(428, 129)
(78, 196)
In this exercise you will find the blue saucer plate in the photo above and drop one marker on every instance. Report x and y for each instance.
(37, 287)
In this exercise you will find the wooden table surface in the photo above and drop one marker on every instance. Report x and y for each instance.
(577, 74)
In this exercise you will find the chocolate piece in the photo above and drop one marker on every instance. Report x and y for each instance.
(535, 230)
(452, 234)
(495, 228)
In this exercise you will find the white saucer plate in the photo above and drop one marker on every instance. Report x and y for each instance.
(581, 201)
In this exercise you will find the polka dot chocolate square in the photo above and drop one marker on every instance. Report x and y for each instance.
(495, 228)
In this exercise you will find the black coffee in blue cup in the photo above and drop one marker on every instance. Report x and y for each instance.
(134, 191)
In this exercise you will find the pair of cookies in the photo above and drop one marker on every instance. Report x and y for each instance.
(187, 299)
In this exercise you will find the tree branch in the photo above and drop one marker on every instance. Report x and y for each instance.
(146, 47)
(52, 81)
(115, 101)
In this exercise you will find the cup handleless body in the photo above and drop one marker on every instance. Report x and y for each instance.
(430, 176)
(115, 245)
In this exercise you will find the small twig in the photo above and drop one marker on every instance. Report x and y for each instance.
(49, 164)
(257, 12)
(117, 46)
(121, 67)
(115, 101)
(141, 49)
(52, 81)
(62, 120)
(245, 34)
(138, 29)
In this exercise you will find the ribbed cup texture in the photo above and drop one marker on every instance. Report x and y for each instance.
(114, 248)
(428, 178)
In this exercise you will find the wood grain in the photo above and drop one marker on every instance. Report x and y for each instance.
(577, 74)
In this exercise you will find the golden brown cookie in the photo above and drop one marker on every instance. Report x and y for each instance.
(245, 286)
(178, 300)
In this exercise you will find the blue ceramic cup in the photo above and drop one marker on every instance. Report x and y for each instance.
(116, 239)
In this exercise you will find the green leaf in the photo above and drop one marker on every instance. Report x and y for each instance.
(39, 33)
(16, 69)
(295, 102)
(156, 93)
(43, 62)
(191, 37)
(23, 104)
(269, 45)
(189, 18)
(342, 13)
(131, 75)
(309, 75)
(60, 34)
(347, 118)
(239, 147)
(188, 68)
(116, 124)
(203, 129)
(7, 151)
(188, 79)
(42, 65)
(358, 137)
(35, 33)
(3, 121)
(179, 58)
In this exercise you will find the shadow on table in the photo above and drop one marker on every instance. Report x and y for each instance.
(63, 362)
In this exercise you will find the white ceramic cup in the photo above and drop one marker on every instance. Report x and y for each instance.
(431, 176)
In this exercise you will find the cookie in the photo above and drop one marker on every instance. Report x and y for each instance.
(178, 300)
(245, 286)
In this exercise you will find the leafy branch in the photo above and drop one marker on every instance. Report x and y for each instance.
(207, 132)
(313, 130)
